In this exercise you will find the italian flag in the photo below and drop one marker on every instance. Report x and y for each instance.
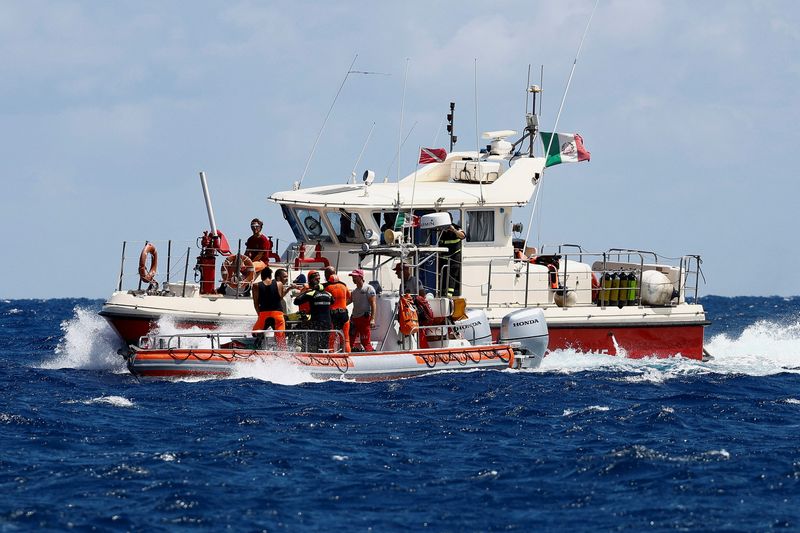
(564, 148)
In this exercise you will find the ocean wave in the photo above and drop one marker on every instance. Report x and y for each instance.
(116, 401)
(590, 409)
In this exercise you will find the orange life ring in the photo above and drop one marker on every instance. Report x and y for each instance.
(145, 274)
(247, 273)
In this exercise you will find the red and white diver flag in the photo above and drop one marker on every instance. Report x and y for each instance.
(431, 155)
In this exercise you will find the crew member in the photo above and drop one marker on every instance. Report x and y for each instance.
(364, 311)
(451, 238)
(257, 246)
(267, 300)
(320, 306)
(411, 284)
(339, 316)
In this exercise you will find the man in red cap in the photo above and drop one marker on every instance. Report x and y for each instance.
(364, 310)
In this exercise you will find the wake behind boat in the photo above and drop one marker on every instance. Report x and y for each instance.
(616, 301)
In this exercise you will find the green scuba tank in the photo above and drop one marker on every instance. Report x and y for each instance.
(633, 286)
(613, 298)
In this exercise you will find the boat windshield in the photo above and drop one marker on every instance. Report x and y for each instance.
(313, 227)
(347, 226)
(288, 214)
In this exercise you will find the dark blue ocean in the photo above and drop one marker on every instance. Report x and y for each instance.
(584, 443)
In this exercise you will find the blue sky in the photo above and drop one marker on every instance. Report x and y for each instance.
(110, 109)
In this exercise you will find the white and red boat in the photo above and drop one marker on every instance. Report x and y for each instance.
(401, 346)
(617, 301)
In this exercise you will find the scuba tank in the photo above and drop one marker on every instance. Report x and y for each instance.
(623, 290)
(632, 289)
(613, 298)
(605, 292)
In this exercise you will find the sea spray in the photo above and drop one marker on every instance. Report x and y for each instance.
(88, 343)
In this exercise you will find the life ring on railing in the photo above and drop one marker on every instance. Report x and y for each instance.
(245, 276)
(145, 274)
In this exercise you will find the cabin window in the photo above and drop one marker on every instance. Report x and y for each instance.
(347, 226)
(313, 226)
(480, 226)
(288, 214)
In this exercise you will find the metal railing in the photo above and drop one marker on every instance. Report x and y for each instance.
(166, 284)
(294, 340)
(616, 261)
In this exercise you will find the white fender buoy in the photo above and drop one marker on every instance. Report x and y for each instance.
(657, 289)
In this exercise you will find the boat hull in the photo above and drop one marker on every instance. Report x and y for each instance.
(366, 366)
(632, 331)
(634, 341)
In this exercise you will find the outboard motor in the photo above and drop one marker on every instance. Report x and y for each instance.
(475, 328)
(526, 327)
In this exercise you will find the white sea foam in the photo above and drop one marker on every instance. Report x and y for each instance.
(115, 401)
(279, 371)
(590, 409)
(761, 349)
(199, 337)
(792, 401)
(14, 311)
(88, 343)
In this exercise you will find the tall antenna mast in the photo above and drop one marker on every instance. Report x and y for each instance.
(400, 133)
(391, 163)
(558, 116)
(319, 134)
(477, 141)
(363, 148)
(527, 85)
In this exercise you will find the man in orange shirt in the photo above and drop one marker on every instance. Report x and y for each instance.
(339, 316)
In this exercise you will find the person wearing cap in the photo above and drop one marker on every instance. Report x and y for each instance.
(411, 284)
(364, 310)
(320, 303)
(339, 316)
(257, 245)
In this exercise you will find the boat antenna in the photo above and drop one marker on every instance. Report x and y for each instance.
(541, 85)
(319, 134)
(353, 173)
(527, 85)
(400, 132)
(477, 140)
(330, 109)
(414, 185)
(391, 163)
(438, 131)
(558, 116)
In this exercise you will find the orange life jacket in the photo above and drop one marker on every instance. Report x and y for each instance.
(407, 315)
